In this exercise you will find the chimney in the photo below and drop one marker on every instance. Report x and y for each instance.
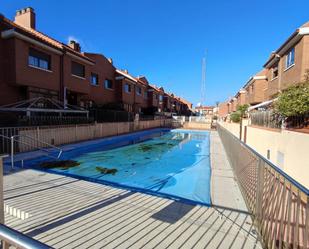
(74, 45)
(110, 60)
(126, 71)
(25, 17)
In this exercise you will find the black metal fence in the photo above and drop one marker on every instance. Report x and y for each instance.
(111, 115)
(98, 115)
(53, 120)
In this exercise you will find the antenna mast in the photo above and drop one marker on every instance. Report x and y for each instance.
(203, 85)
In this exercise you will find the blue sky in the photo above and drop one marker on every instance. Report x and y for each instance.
(165, 40)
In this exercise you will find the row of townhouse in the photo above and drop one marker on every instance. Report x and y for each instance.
(36, 65)
(287, 66)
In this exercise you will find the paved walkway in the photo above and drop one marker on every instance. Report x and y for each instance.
(68, 213)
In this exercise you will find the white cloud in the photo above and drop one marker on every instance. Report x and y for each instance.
(71, 37)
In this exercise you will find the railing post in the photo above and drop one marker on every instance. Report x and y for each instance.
(306, 239)
(38, 134)
(1, 191)
(259, 194)
(12, 152)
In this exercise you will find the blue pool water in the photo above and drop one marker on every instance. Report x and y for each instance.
(174, 164)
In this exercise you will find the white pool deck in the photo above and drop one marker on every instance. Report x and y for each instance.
(64, 212)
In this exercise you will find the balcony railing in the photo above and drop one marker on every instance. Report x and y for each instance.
(278, 203)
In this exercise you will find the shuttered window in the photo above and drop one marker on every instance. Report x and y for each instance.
(78, 69)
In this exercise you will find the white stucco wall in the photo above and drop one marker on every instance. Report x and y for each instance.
(287, 149)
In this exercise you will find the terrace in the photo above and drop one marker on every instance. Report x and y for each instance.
(253, 205)
(65, 212)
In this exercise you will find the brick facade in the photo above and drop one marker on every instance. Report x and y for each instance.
(36, 65)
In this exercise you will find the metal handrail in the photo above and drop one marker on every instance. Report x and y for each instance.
(37, 140)
(279, 204)
(11, 237)
(14, 139)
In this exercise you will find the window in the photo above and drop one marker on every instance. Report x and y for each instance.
(39, 59)
(160, 98)
(145, 94)
(275, 71)
(94, 79)
(290, 58)
(108, 84)
(127, 88)
(138, 90)
(78, 69)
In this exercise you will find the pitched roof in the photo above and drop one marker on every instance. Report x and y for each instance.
(258, 76)
(305, 25)
(158, 89)
(128, 76)
(291, 41)
(43, 37)
(184, 101)
(171, 95)
(142, 80)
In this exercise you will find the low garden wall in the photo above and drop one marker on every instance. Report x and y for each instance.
(286, 149)
(197, 125)
(58, 135)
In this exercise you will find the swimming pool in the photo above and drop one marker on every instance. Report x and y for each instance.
(169, 163)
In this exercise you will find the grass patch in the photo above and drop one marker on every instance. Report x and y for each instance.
(65, 164)
(106, 171)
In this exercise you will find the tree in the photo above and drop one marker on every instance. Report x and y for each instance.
(294, 101)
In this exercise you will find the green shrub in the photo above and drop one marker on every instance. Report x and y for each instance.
(235, 117)
(293, 101)
(242, 109)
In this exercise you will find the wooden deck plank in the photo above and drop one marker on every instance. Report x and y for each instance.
(70, 213)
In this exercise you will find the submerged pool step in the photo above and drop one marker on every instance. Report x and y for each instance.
(15, 212)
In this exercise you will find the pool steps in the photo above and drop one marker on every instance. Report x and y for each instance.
(15, 212)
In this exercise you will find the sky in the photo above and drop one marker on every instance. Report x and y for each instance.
(165, 40)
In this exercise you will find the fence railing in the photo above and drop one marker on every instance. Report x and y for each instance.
(200, 119)
(111, 115)
(13, 119)
(298, 122)
(65, 134)
(11, 238)
(266, 119)
(278, 203)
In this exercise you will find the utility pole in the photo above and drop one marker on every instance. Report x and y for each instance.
(203, 84)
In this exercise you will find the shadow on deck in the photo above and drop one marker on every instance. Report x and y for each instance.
(69, 213)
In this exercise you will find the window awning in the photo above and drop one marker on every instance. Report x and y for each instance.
(263, 104)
